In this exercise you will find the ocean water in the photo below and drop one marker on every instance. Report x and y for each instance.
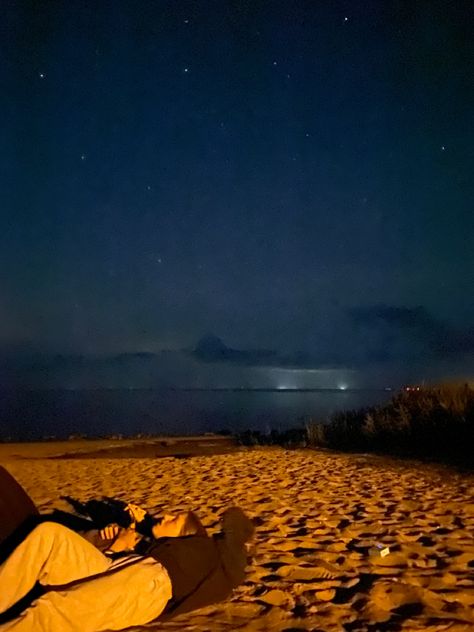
(29, 415)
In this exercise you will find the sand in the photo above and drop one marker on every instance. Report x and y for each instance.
(318, 514)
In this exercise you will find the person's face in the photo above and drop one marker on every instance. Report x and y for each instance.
(169, 527)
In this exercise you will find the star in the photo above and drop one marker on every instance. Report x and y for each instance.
(42, 75)
(275, 63)
(83, 156)
(186, 70)
(443, 148)
(346, 19)
(186, 21)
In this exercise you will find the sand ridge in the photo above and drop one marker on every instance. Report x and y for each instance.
(318, 515)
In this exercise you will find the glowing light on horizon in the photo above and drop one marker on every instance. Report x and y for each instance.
(290, 378)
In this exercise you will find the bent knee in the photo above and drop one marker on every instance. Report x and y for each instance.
(49, 528)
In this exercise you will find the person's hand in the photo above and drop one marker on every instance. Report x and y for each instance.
(136, 513)
(109, 532)
(127, 540)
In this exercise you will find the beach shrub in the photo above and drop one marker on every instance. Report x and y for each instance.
(435, 422)
(290, 438)
(315, 433)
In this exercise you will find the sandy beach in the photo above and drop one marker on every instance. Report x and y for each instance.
(317, 514)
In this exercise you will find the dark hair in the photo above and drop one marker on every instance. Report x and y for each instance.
(145, 526)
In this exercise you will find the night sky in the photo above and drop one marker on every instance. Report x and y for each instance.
(291, 181)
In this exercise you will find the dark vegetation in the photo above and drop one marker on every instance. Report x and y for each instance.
(433, 423)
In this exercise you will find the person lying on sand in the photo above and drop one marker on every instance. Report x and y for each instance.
(114, 539)
(131, 524)
(86, 591)
(99, 512)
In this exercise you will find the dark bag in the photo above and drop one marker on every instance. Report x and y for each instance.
(16, 507)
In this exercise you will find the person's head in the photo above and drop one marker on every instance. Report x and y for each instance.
(177, 526)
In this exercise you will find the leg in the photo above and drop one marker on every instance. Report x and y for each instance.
(237, 529)
(51, 554)
(133, 595)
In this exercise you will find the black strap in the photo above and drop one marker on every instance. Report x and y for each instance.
(110, 571)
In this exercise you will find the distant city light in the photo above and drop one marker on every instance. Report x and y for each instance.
(342, 387)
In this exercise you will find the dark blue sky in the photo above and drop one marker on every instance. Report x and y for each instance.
(290, 176)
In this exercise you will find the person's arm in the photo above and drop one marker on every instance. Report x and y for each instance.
(111, 539)
(94, 537)
(125, 541)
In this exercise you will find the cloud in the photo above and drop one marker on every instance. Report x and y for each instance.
(210, 348)
(378, 341)
(393, 332)
(374, 335)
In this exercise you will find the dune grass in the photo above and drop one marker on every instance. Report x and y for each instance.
(434, 423)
